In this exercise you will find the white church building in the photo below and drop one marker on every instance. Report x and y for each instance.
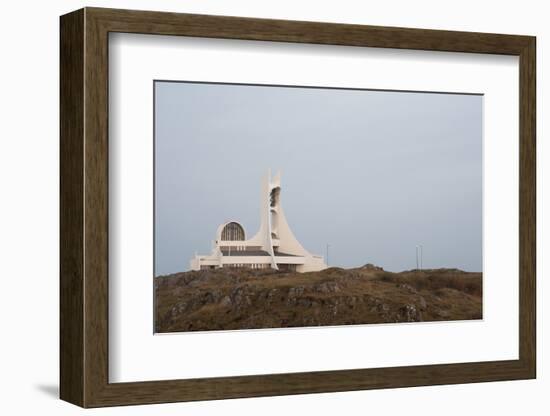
(273, 246)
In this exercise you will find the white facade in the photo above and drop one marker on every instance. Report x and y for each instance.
(274, 245)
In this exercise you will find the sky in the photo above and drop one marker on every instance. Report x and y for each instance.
(372, 174)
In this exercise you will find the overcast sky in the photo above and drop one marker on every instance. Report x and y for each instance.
(372, 173)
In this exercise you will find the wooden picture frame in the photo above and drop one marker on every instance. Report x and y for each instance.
(84, 207)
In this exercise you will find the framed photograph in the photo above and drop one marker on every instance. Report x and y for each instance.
(254, 207)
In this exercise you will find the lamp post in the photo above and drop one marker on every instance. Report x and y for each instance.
(419, 249)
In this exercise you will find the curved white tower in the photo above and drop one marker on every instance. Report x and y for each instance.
(274, 245)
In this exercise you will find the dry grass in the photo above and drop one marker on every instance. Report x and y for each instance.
(432, 280)
(242, 299)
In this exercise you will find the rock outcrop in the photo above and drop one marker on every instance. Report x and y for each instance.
(244, 299)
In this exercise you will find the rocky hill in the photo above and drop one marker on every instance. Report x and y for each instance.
(227, 299)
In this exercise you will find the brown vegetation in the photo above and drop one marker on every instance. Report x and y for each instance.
(227, 299)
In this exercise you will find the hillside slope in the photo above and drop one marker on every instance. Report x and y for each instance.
(227, 299)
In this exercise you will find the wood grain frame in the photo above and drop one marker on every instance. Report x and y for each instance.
(84, 207)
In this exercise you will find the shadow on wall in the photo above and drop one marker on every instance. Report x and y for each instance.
(51, 390)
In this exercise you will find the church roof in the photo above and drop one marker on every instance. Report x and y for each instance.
(253, 253)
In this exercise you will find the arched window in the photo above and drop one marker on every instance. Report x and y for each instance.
(274, 196)
(232, 231)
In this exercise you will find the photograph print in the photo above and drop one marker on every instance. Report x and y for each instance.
(293, 206)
